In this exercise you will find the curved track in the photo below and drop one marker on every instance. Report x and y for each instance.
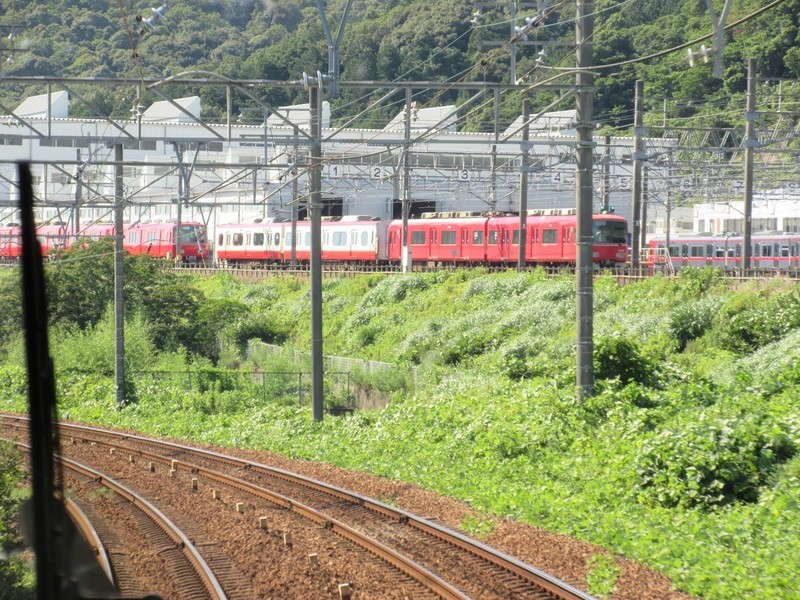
(425, 551)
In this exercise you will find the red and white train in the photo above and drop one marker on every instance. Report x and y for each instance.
(186, 242)
(767, 251)
(437, 238)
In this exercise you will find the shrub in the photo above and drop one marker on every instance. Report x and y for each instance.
(619, 357)
(711, 461)
(690, 321)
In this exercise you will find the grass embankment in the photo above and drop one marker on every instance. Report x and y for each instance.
(684, 459)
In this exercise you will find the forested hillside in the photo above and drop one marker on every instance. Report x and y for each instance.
(391, 40)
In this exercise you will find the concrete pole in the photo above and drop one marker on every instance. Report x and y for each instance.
(119, 279)
(584, 27)
(315, 209)
(749, 144)
(643, 228)
(607, 174)
(637, 173)
(405, 246)
(523, 183)
(295, 159)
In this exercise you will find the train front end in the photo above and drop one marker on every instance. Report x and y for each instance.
(192, 244)
(610, 245)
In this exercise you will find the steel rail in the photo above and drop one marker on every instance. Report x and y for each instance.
(203, 570)
(518, 568)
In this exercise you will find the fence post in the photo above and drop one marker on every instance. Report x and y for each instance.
(264, 385)
(300, 388)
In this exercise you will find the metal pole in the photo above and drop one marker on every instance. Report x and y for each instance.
(493, 197)
(523, 183)
(749, 144)
(637, 173)
(584, 26)
(405, 245)
(76, 220)
(643, 228)
(607, 175)
(513, 44)
(293, 260)
(119, 279)
(315, 206)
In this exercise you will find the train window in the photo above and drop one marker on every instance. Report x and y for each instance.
(249, 239)
(238, 239)
(493, 237)
(448, 238)
(187, 234)
(365, 238)
(151, 237)
(766, 250)
(354, 238)
(534, 236)
(258, 239)
(287, 239)
(417, 238)
(675, 251)
(609, 232)
(550, 236)
(696, 251)
(340, 238)
(307, 239)
(784, 250)
(709, 250)
(134, 237)
(277, 239)
(515, 237)
(477, 238)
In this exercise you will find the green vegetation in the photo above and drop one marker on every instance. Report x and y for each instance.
(685, 458)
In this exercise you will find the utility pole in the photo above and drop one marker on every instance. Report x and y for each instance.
(295, 159)
(315, 210)
(524, 168)
(584, 28)
(119, 279)
(405, 259)
(638, 155)
(643, 228)
(607, 175)
(749, 145)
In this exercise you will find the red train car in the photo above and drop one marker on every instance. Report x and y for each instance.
(186, 241)
(472, 239)
(441, 238)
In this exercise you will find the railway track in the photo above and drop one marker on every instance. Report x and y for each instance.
(190, 574)
(411, 556)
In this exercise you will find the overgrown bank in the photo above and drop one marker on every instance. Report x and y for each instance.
(684, 459)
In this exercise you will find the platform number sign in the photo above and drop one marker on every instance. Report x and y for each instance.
(624, 183)
(686, 184)
(462, 175)
(738, 186)
(377, 172)
(792, 187)
(556, 178)
(336, 171)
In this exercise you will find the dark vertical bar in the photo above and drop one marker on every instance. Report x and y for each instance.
(42, 395)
